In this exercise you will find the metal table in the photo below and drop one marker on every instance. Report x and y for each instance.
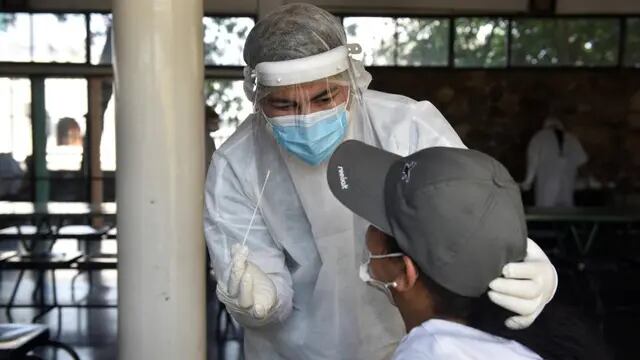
(592, 218)
(584, 225)
(48, 218)
(12, 210)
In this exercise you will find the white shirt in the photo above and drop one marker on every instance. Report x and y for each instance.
(441, 339)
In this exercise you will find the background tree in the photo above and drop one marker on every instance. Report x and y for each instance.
(223, 43)
(632, 50)
(582, 42)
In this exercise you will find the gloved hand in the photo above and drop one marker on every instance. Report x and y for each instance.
(250, 292)
(525, 287)
(525, 185)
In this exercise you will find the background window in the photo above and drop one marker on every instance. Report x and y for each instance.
(568, 42)
(15, 138)
(632, 50)
(230, 103)
(15, 117)
(480, 42)
(422, 42)
(59, 38)
(66, 106)
(42, 37)
(224, 39)
(100, 27)
(15, 37)
(376, 35)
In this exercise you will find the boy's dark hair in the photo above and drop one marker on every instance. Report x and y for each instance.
(558, 333)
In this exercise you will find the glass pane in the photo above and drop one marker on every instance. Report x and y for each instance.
(376, 35)
(66, 105)
(480, 42)
(108, 139)
(100, 27)
(15, 35)
(229, 102)
(423, 42)
(59, 38)
(224, 39)
(632, 50)
(15, 138)
(572, 42)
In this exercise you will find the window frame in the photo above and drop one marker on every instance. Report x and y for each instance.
(509, 19)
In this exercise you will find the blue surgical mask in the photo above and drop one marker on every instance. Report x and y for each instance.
(312, 137)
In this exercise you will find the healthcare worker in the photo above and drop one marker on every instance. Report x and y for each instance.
(553, 158)
(284, 251)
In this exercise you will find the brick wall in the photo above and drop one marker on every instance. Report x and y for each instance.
(497, 111)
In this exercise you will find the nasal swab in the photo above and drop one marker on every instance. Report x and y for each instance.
(255, 211)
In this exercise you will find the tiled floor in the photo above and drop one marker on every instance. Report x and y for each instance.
(93, 332)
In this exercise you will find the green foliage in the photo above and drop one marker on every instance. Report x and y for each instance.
(6, 20)
(224, 39)
(226, 101)
(480, 42)
(422, 42)
(581, 42)
(632, 50)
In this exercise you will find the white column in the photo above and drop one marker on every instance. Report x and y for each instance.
(159, 182)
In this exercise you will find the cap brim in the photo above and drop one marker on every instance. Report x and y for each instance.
(356, 176)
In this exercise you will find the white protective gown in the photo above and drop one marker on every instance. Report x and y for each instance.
(554, 172)
(308, 243)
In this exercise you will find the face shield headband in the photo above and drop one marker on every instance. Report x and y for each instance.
(296, 71)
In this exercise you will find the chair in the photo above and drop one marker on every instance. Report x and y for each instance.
(31, 239)
(87, 237)
(40, 263)
(17, 340)
(90, 263)
(91, 239)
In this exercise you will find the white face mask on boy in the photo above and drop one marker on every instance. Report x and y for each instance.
(365, 275)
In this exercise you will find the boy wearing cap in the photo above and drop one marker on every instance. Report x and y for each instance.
(445, 223)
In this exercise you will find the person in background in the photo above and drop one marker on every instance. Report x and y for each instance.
(10, 176)
(553, 158)
(445, 223)
(68, 132)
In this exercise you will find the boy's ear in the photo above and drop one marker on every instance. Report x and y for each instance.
(409, 276)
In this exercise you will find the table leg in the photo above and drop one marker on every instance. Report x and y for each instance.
(13, 296)
(584, 247)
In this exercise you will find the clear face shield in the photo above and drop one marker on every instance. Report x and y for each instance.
(306, 103)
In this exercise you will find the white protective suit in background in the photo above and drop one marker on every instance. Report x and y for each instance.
(304, 248)
(553, 166)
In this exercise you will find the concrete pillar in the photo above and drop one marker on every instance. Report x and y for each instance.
(159, 181)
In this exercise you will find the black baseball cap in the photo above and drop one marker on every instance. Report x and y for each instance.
(456, 212)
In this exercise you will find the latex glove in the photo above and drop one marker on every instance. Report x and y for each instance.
(525, 287)
(250, 292)
(525, 186)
